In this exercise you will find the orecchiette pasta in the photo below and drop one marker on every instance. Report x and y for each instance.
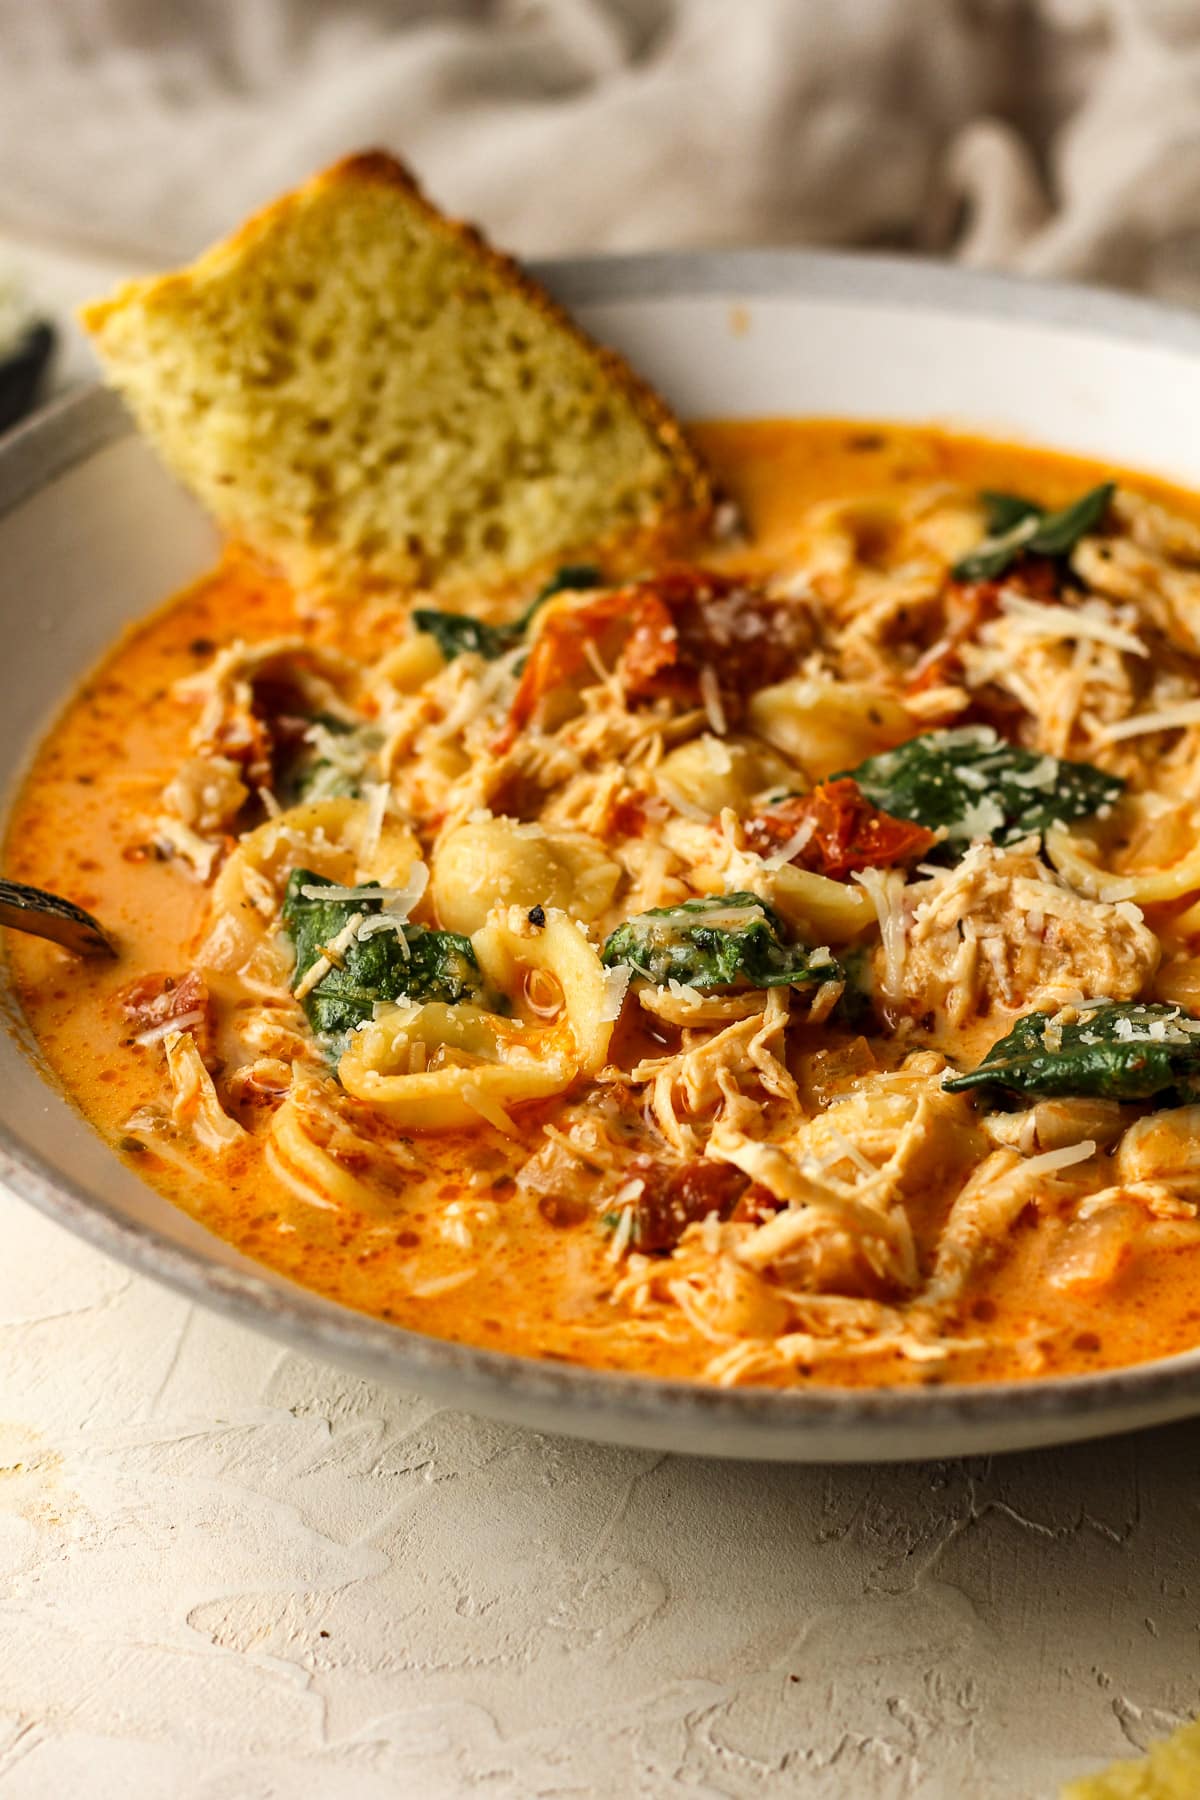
(819, 910)
(1074, 858)
(488, 861)
(511, 946)
(712, 773)
(411, 664)
(443, 1068)
(327, 1160)
(825, 725)
(434, 1067)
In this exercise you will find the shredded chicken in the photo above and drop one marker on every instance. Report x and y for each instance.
(738, 1071)
(196, 1106)
(1003, 933)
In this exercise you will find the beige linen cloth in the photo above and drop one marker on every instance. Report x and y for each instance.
(1048, 136)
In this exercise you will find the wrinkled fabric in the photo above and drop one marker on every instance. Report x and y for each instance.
(1047, 136)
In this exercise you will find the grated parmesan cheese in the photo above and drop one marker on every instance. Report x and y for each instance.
(710, 694)
(377, 794)
(1044, 774)
(330, 956)
(685, 992)
(1166, 718)
(779, 859)
(687, 809)
(1090, 619)
(441, 1284)
(622, 1235)
(983, 817)
(1050, 1161)
(885, 889)
(1175, 1030)
(386, 921)
(156, 1033)
(487, 1108)
(616, 985)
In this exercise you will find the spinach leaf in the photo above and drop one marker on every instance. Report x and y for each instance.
(1006, 510)
(1059, 532)
(455, 632)
(975, 785)
(327, 765)
(572, 577)
(1113, 1050)
(856, 1008)
(413, 962)
(723, 940)
(1017, 527)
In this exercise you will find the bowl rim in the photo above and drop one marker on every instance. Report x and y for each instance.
(78, 425)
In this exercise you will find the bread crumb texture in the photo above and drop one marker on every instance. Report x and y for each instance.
(368, 395)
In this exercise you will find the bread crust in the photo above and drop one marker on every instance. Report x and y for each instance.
(685, 507)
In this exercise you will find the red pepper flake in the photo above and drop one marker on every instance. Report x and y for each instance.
(628, 816)
(847, 833)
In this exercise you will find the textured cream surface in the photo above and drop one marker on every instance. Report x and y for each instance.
(228, 1572)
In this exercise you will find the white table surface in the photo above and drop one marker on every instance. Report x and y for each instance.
(229, 1573)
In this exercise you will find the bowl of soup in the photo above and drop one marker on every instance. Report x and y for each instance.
(747, 1004)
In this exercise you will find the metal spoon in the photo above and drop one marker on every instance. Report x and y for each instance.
(50, 916)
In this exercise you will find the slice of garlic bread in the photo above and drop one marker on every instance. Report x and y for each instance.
(365, 393)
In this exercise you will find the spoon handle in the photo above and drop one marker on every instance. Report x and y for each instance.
(50, 916)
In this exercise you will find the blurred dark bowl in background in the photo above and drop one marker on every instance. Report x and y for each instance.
(22, 373)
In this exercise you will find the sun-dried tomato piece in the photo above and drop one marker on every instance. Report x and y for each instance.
(182, 1002)
(757, 1205)
(725, 626)
(970, 604)
(687, 635)
(837, 831)
(563, 649)
(651, 648)
(676, 1196)
(967, 606)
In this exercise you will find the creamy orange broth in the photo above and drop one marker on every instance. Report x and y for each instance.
(79, 827)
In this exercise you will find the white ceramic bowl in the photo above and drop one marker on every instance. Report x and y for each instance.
(93, 534)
